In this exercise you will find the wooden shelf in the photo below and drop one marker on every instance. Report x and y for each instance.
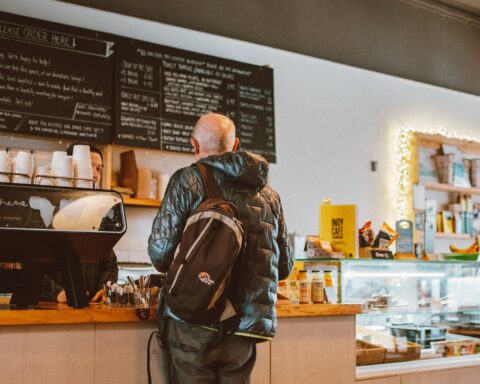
(133, 202)
(451, 188)
(435, 141)
(453, 236)
(456, 236)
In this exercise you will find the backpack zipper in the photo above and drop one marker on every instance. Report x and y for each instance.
(233, 217)
(189, 253)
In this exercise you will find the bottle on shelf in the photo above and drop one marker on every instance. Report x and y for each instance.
(318, 288)
(293, 291)
(303, 287)
(329, 286)
(282, 288)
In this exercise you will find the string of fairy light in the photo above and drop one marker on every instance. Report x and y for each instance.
(404, 142)
(403, 160)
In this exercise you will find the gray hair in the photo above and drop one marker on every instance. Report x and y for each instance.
(215, 133)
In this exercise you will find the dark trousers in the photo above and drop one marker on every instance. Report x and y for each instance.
(195, 357)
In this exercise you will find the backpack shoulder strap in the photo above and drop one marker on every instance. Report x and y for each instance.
(211, 188)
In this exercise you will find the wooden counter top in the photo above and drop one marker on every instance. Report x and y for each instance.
(312, 310)
(51, 313)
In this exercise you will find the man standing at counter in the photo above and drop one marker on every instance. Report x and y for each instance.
(94, 274)
(242, 179)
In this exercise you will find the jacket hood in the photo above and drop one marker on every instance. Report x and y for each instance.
(242, 168)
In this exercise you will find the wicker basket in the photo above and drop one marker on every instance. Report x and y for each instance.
(445, 166)
(475, 172)
(368, 354)
(396, 349)
(403, 351)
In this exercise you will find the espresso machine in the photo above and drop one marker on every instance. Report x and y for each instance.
(48, 230)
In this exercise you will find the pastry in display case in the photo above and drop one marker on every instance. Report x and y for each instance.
(416, 303)
(412, 309)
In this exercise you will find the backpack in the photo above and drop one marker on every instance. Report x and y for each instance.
(196, 285)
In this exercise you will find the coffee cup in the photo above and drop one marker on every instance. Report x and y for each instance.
(20, 179)
(66, 183)
(5, 166)
(162, 182)
(62, 167)
(42, 176)
(81, 153)
(57, 155)
(23, 163)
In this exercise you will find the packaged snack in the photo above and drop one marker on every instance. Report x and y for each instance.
(366, 235)
(293, 291)
(321, 249)
(386, 236)
(326, 246)
(282, 291)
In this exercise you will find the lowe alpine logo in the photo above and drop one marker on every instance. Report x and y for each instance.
(204, 277)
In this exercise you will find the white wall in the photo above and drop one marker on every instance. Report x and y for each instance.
(331, 120)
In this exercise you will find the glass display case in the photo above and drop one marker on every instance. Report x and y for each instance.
(411, 309)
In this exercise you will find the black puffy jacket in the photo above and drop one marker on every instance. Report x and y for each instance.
(242, 177)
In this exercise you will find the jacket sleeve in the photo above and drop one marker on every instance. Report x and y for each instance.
(285, 264)
(170, 221)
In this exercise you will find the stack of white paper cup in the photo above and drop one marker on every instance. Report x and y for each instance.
(162, 182)
(57, 156)
(42, 177)
(5, 167)
(144, 183)
(82, 166)
(23, 168)
(61, 169)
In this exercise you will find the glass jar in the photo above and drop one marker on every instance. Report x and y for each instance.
(282, 288)
(293, 291)
(303, 287)
(318, 289)
(327, 276)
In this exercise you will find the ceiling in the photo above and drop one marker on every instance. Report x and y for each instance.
(431, 41)
(470, 6)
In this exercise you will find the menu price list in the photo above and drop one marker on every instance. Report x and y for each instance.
(55, 80)
(162, 92)
(66, 82)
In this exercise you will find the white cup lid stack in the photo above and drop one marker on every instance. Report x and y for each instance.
(23, 163)
(5, 165)
(82, 166)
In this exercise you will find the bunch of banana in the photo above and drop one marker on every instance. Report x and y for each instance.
(474, 248)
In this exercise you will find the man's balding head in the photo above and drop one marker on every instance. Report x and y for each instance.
(213, 134)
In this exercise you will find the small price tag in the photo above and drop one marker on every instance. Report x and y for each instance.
(381, 254)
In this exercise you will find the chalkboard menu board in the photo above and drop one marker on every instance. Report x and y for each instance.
(65, 82)
(162, 92)
(55, 80)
